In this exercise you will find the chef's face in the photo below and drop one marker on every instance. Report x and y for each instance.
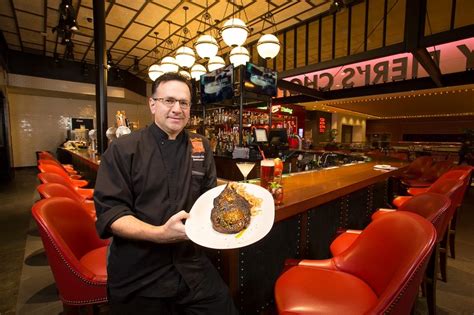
(170, 106)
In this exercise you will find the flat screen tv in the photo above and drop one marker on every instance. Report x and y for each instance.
(278, 136)
(260, 80)
(217, 86)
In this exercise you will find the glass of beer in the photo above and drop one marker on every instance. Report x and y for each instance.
(267, 167)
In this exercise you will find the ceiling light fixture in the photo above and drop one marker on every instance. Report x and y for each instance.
(169, 64)
(268, 45)
(197, 70)
(185, 55)
(155, 71)
(235, 31)
(206, 45)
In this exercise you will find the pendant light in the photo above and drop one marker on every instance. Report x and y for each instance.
(185, 74)
(239, 56)
(268, 45)
(206, 45)
(169, 64)
(197, 70)
(234, 32)
(215, 63)
(185, 55)
(155, 71)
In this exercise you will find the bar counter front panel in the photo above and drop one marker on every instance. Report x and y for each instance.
(315, 205)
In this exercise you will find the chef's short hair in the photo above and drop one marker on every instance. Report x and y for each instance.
(171, 76)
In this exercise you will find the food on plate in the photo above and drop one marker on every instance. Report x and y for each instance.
(233, 209)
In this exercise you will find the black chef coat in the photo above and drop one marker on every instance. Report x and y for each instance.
(146, 175)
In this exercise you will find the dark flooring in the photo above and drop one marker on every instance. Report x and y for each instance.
(27, 285)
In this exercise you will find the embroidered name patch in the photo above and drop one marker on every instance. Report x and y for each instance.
(198, 151)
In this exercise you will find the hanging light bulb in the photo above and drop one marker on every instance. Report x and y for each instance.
(197, 70)
(268, 46)
(239, 56)
(206, 46)
(215, 63)
(234, 32)
(185, 74)
(154, 72)
(168, 64)
(185, 57)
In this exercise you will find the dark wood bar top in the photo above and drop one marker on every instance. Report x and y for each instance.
(86, 156)
(303, 191)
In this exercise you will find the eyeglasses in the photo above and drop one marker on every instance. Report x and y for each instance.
(169, 102)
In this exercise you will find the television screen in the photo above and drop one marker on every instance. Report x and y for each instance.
(260, 135)
(82, 123)
(260, 80)
(278, 136)
(217, 85)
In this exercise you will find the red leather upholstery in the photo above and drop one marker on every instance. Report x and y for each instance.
(68, 169)
(451, 174)
(400, 200)
(429, 175)
(49, 168)
(380, 273)
(55, 178)
(76, 255)
(417, 167)
(50, 190)
(430, 206)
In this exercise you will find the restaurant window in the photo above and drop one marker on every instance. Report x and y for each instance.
(438, 16)
(313, 42)
(357, 28)
(395, 21)
(342, 26)
(464, 16)
(326, 38)
(290, 49)
(279, 57)
(300, 46)
(375, 26)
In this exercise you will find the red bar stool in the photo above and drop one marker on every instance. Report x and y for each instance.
(72, 172)
(58, 179)
(417, 167)
(49, 168)
(451, 174)
(76, 255)
(433, 207)
(380, 273)
(50, 190)
(430, 175)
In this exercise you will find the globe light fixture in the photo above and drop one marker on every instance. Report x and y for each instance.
(197, 70)
(206, 46)
(154, 72)
(169, 64)
(268, 46)
(215, 63)
(185, 74)
(185, 57)
(234, 32)
(239, 56)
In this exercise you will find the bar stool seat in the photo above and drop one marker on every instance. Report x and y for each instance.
(303, 295)
(96, 262)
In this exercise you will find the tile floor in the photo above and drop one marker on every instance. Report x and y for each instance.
(27, 285)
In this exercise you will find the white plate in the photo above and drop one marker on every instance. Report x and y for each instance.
(199, 226)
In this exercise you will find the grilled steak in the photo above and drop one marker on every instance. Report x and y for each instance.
(231, 212)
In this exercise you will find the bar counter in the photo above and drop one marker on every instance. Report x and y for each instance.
(315, 205)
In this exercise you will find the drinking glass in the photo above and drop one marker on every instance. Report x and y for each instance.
(245, 168)
(267, 168)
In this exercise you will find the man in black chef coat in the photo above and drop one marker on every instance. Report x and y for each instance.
(145, 184)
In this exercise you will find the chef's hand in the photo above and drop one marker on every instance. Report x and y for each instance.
(173, 229)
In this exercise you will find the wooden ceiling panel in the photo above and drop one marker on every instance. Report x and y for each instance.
(6, 9)
(54, 4)
(12, 39)
(112, 32)
(120, 16)
(79, 48)
(35, 47)
(84, 31)
(152, 14)
(256, 10)
(162, 29)
(132, 4)
(296, 6)
(50, 36)
(136, 31)
(124, 44)
(127, 62)
(177, 16)
(138, 52)
(148, 43)
(82, 14)
(52, 18)
(170, 4)
(314, 11)
(29, 6)
(31, 37)
(81, 39)
(50, 46)
(7, 24)
(29, 21)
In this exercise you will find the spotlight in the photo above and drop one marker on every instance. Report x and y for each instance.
(136, 68)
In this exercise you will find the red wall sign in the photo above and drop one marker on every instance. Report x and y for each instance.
(322, 125)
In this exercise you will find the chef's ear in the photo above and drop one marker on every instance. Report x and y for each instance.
(152, 104)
